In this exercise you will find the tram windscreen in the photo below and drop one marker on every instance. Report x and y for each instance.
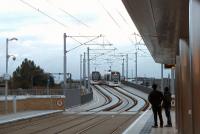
(95, 76)
(115, 76)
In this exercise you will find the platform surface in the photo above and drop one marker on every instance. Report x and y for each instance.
(143, 125)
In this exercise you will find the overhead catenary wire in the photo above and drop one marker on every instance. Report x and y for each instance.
(81, 44)
(123, 18)
(75, 18)
(102, 54)
(79, 21)
(114, 20)
(42, 12)
(142, 50)
(57, 21)
(109, 14)
(72, 16)
(69, 14)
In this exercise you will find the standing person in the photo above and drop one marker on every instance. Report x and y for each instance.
(156, 98)
(167, 105)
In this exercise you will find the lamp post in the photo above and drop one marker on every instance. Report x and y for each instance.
(7, 76)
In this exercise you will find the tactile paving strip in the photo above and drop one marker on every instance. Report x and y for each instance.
(147, 127)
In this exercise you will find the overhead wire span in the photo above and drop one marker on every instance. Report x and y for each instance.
(76, 19)
(102, 54)
(109, 14)
(72, 16)
(142, 50)
(79, 21)
(42, 12)
(81, 44)
(122, 17)
(67, 13)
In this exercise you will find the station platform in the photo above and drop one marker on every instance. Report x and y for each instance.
(143, 125)
(25, 115)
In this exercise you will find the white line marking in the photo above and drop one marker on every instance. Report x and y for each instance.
(133, 124)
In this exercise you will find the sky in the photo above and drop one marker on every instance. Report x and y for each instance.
(39, 26)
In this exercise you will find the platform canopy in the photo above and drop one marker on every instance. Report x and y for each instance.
(161, 23)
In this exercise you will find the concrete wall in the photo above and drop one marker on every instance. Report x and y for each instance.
(86, 98)
(139, 87)
(34, 104)
(75, 98)
(146, 90)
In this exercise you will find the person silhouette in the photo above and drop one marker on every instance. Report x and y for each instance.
(167, 105)
(155, 98)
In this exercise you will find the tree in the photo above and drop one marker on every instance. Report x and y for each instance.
(28, 75)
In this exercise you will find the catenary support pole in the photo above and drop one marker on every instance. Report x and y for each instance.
(136, 67)
(88, 52)
(127, 67)
(80, 70)
(84, 70)
(123, 67)
(65, 65)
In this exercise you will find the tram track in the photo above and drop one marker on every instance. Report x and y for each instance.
(146, 104)
(58, 122)
(124, 101)
(40, 120)
(96, 123)
(88, 122)
(101, 121)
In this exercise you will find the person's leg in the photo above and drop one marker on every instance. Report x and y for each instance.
(160, 116)
(155, 115)
(168, 115)
(166, 112)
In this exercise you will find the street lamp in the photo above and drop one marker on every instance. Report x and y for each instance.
(7, 77)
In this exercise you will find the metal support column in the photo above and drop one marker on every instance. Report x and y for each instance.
(84, 70)
(88, 52)
(80, 70)
(127, 67)
(136, 67)
(123, 67)
(65, 65)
